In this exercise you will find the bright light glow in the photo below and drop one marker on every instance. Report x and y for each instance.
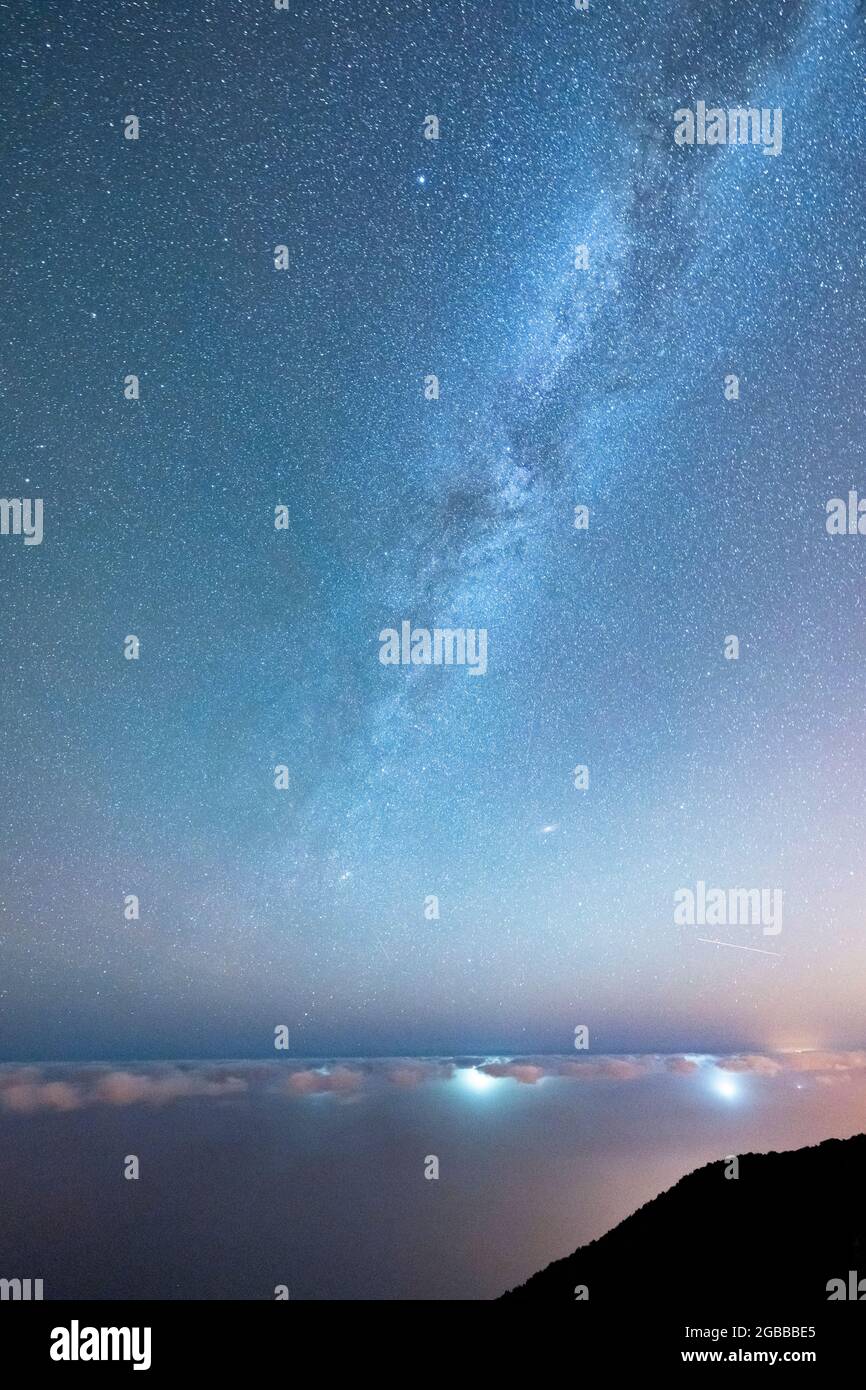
(476, 1080)
(726, 1086)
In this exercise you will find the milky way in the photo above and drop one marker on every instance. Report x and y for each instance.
(559, 387)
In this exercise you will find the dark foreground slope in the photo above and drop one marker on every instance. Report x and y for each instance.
(774, 1236)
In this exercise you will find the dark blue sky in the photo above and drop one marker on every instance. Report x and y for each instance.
(559, 387)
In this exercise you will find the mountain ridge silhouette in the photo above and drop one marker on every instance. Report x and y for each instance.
(790, 1222)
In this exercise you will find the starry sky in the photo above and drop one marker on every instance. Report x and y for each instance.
(304, 388)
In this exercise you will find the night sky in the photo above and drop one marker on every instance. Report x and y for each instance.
(304, 388)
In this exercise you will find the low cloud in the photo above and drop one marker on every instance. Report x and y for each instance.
(820, 1063)
(681, 1066)
(525, 1072)
(760, 1066)
(26, 1097)
(314, 1081)
(826, 1061)
(612, 1068)
(130, 1088)
(409, 1074)
(26, 1090)
(62, 1089)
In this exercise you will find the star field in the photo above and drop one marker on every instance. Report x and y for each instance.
(304, 388)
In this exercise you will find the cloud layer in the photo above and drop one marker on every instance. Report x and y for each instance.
(26, 1090)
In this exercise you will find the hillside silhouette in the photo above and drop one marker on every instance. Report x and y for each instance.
(775, 1235)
